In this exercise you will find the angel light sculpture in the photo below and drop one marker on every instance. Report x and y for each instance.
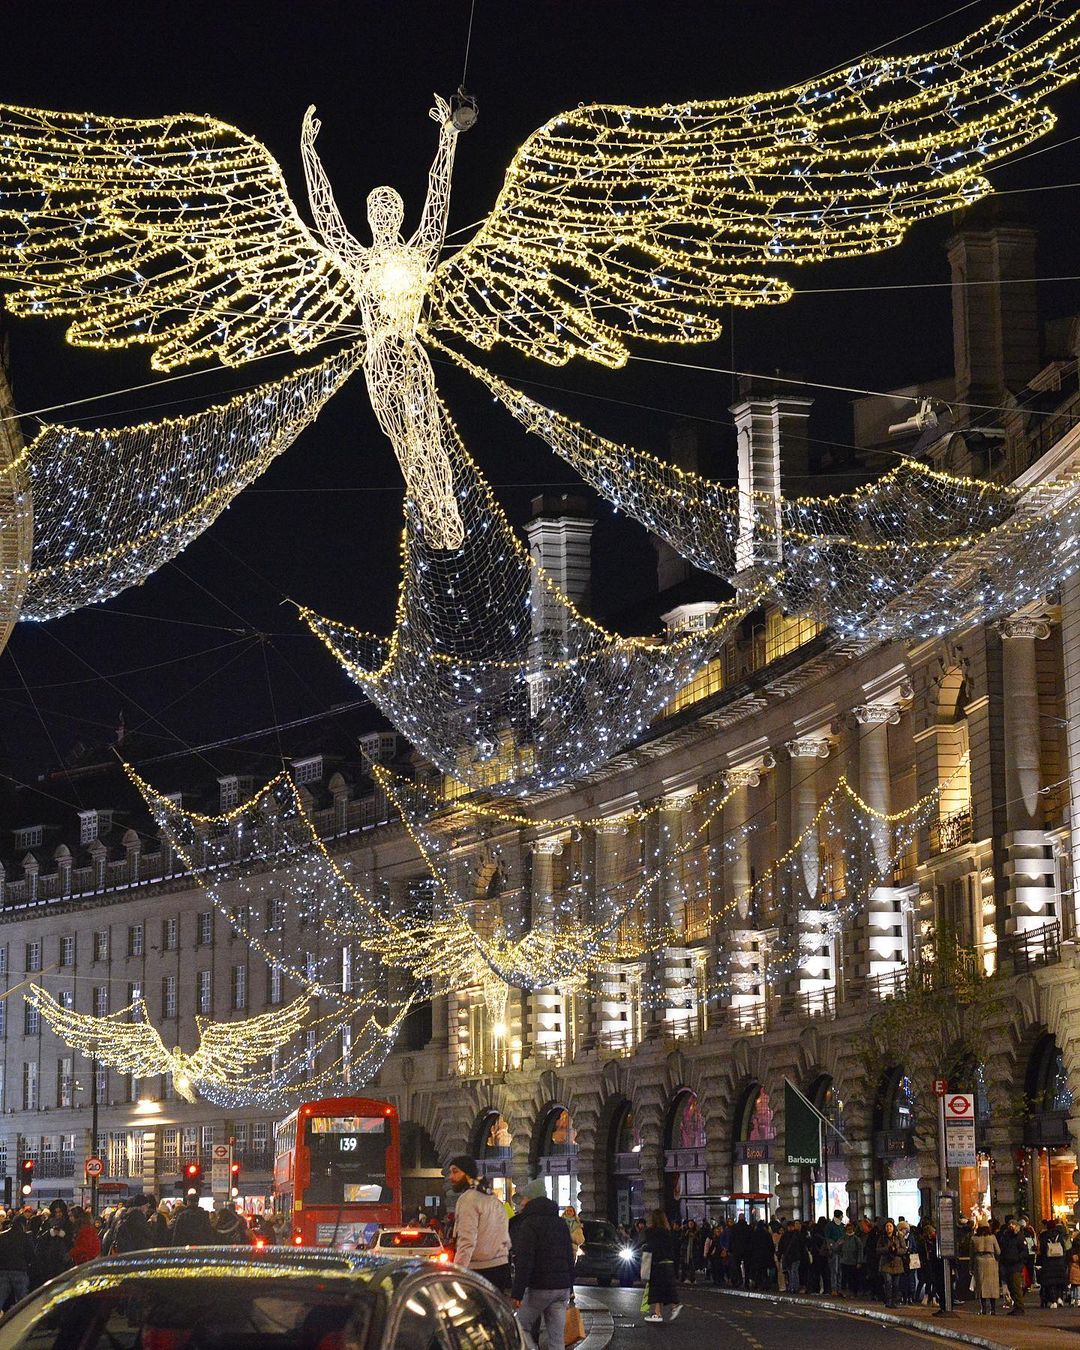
(613, 223)
(127, 1042)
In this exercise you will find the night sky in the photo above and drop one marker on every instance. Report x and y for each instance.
(322, 524)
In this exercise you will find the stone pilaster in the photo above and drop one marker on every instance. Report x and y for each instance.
(1030, 868)
(547, 1032)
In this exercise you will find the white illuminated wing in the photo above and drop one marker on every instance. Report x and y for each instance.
(615, 223)
(175, 232)
(123, 1040)
(226, 1049)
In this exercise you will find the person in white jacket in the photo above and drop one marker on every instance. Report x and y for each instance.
(481, 1226)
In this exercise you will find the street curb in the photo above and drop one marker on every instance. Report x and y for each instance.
(869, 1314)
(599, 1326)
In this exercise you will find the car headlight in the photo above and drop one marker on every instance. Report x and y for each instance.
(627, 1254)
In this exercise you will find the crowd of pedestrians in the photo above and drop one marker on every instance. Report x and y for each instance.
(999, 1266)
(36, 1245)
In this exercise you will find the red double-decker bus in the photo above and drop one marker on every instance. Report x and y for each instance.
(337, 1171)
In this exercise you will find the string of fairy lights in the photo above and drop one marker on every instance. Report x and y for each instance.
(614, 224)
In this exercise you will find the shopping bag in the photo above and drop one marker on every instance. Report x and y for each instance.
(645, 1298)
(646, 1266)
(914, 1261)
(575, 1325)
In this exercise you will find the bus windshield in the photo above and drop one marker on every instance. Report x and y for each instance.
(348, 1160)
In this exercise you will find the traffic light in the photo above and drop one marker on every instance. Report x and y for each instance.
(192, 1178)
(26, 1176)
(234, 1179)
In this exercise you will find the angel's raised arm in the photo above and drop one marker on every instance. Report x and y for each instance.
(432, 229)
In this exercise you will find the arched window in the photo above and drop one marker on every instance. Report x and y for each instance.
(493, 1148)
(556, 1155)
(953, 766)
(686, 1129)
(626, 1183)
(685, 1176)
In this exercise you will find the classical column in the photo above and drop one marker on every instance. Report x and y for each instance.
(744, 942)
(1029, 863)
(806, 923)
(884, 918)
(547, 1011)
(676, 972)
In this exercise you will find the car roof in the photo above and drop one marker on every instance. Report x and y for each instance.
(282, 1262)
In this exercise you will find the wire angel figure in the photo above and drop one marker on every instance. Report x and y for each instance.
(613, 223)
(127, 1042)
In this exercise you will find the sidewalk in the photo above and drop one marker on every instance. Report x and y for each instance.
(1038, 1329)
(599, 1324)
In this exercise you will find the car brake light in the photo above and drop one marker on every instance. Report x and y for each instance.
(442, 1256)
(410, 1232)
(260, 1242)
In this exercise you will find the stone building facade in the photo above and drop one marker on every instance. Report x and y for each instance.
(661, 1082)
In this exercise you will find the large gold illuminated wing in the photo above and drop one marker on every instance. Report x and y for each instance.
(123, 1040)
(615, 223)
(178, 233)
(227, 1048)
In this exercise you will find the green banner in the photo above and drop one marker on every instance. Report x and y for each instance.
(802, 1130)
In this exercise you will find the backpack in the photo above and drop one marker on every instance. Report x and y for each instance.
(1054, 1248)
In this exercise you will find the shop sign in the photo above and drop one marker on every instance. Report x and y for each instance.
(802, 1130)
(894, 1144)
(752, 1151)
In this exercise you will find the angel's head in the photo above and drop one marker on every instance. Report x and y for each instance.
(385, 213)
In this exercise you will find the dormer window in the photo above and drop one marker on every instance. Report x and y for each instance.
(30, 836)
(696, 618)
(380, 746)
(233, 789)
(309, 770)
(93, 824)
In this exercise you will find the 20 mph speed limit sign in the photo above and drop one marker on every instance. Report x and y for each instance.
(95, 1167)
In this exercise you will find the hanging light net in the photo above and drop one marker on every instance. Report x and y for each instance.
(16, 515)
(492, 673)
(112, 506)
(590, 898)
(916, 553)
(264, 867)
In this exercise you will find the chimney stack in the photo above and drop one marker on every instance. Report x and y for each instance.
(560, 540)
(996, 342)
(770, 426)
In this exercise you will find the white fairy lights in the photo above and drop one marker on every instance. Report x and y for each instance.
(112, 506)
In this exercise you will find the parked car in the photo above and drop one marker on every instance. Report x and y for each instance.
(606, 1257)
(409, 1242)
(276, 1298)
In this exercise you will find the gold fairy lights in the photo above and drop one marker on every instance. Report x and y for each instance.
(613, 223)
(126, 1041)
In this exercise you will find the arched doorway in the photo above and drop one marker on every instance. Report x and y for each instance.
(493, 1149)
(1050, 1155)
(829, 1184)
(422, 1182)
(686, 1181)
(555, 1156)
(753, 1144)
(895, 1158)
(626, 1182)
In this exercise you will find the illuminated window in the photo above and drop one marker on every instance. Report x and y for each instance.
(785, 633)
(708, 681)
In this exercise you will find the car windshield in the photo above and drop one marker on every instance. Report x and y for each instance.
(418, 1237)
(597, 1230)
(152, 1311)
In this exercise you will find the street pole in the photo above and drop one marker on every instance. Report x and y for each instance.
(946, 1310)
(93, 1131)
